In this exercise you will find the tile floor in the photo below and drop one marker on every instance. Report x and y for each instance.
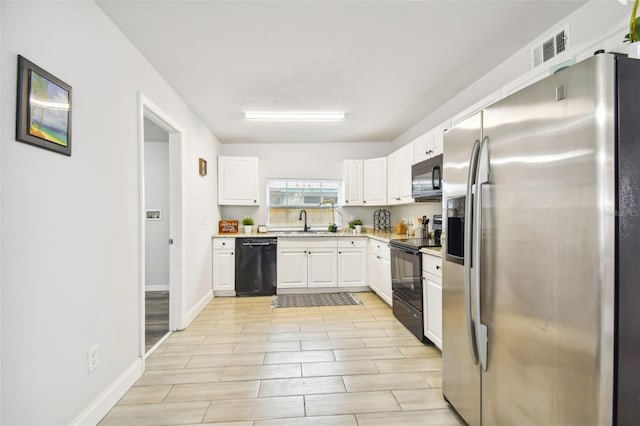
(241, 363)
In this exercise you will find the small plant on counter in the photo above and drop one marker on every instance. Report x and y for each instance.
(354, 222)
(333, 227)
(247, 222)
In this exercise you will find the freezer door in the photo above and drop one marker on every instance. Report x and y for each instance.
(461, 376)
(548, 251)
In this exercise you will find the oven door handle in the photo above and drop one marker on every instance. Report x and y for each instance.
(468, 239)
(405, 250)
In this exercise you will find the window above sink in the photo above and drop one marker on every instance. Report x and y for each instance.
(320, 198)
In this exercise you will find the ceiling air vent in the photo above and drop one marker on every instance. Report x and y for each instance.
(550, 47)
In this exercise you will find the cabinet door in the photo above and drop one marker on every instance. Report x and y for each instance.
(421, 147)
(323, 265)
(406, 161)
(385, 281)
(437, 138)
(374, 275)
(393, 178)
(292, 268)
(433, 315)
(353, 184)
(352, 267)
(375, 182)
(224, 268)
(238, 181)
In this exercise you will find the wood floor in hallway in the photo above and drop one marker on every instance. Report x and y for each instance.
(243, 363)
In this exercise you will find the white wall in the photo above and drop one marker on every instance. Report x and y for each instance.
(69, 225)
(156, 194)
(302, 160)
(588, 25)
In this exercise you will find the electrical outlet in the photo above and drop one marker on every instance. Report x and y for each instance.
(92, 358)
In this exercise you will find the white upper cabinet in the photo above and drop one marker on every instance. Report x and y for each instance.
(399, 175)
(353, 183)
(365, 182)
(393, 178)
(437, 140)
(375, 182)
(238, 181)
(422, 146)
(430, 144)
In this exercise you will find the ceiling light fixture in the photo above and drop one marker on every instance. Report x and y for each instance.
(293, 116)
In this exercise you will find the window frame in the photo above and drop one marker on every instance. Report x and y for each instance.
(337, 215)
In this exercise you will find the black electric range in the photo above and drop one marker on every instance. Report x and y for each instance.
(415, 243)
(406, 282)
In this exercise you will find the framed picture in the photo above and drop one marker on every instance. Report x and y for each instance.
(202, 166)
(44, 109)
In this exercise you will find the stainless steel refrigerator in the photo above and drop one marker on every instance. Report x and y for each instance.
(541, 274)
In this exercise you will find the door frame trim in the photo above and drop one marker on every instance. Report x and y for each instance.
(148, 109)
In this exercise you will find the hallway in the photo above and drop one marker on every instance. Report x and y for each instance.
(242, 363)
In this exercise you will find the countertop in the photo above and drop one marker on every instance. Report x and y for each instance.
(433, 251)
(376, 235)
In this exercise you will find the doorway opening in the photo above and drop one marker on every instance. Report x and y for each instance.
(161, 229)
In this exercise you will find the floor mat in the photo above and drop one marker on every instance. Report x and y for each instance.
(316, 299)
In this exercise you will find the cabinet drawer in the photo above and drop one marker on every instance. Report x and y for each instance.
(359, 242)
(432, 264)
(381, 249)
(224, 243)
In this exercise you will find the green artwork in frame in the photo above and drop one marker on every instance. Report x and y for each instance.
(44, 109)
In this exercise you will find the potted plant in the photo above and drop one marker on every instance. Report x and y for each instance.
(357, 224)
(247, 222)
(333, 227)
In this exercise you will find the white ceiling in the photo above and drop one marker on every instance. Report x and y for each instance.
(387, 64)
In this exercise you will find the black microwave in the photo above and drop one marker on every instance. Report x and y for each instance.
(426, 179)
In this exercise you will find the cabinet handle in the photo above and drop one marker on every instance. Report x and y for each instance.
(352, 242)
(346, 201)
(231, 253)
(255, 201)
(339, 252)
(437, 267)
(364, 201)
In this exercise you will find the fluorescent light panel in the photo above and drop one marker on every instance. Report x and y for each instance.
(293, 116)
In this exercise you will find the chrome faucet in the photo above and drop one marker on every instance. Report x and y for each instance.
(306, 228)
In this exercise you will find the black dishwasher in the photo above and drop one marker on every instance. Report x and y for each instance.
(256, 266)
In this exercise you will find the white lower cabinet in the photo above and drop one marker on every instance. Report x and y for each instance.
(380, 270)
(322, 266)
(352, 262)
(292, 268)
(307, 263)
(432, 298)
(224, 267)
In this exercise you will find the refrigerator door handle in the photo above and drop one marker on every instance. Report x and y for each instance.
(468, 235)
(482, 178)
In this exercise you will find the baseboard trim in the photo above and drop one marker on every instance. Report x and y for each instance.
(110, 396)
(157, 287)
(197, 308)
